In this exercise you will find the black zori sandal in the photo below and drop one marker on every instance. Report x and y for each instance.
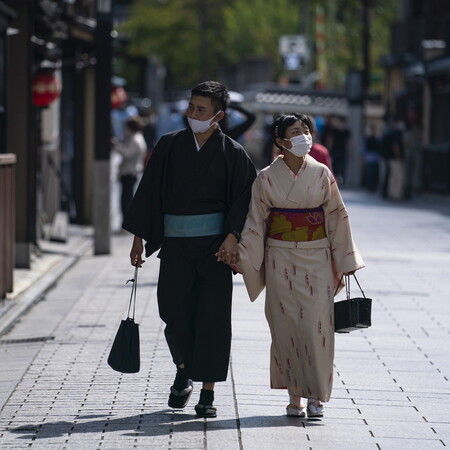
(181, 391)
(205, 407)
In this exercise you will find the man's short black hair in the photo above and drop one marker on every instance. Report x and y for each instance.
(216, 91)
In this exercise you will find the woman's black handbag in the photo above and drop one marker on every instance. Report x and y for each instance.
(353, 313)
(125, 352)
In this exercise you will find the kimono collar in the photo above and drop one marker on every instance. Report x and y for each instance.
(213, 135)
(294, 188)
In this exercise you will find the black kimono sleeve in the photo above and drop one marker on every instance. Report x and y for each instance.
(144, 217)
(241, 174)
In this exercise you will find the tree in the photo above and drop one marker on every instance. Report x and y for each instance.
(194, 38)
(173, 31)
(253, 27)
(343, 37)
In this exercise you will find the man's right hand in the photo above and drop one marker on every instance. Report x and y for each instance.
(136, 252)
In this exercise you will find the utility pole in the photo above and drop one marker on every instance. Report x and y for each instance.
(357, 90)
(303, 16)
(103, 72)
(366, 6)
(303, 28)
(203, 40)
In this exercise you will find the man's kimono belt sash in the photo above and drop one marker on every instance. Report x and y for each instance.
(298, 225)
(193, 225)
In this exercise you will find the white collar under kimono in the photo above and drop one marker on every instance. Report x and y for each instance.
(197, 145)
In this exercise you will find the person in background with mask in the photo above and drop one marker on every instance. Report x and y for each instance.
(297, 243)
(192, 203)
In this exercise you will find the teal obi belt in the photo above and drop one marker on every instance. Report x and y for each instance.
(193, 225)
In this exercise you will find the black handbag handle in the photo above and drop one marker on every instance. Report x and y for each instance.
(347, 285)
(133, 293)
(357, 282)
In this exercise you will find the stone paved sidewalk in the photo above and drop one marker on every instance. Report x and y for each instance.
(391, 387)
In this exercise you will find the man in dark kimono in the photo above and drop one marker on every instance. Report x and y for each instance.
(192, 203)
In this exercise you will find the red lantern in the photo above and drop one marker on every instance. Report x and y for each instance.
(46, 88)
(118, 97)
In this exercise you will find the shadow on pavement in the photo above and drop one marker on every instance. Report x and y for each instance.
(154, 424)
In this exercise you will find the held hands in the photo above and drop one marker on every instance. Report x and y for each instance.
(228, 252)
(136, 252)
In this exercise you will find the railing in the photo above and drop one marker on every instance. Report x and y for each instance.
(7, 222)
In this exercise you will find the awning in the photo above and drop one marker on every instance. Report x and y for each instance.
(415, 69)
(439, 66)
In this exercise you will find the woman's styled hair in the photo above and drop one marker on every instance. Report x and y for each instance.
(216, 91)
(282, 122)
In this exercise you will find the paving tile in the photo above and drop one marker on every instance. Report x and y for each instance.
(61, 393)
(410, 444)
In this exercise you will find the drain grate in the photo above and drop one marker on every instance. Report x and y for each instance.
(27, 340)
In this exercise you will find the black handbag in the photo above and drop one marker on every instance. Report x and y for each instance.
(125, 352)
(353, 313)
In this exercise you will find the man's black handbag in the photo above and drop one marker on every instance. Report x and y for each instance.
(353, 313)
(125, 352)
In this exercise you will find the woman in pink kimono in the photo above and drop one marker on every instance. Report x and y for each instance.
(297, 242)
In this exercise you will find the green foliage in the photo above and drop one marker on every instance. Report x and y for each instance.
(343, 37)
(171, 31)
(253, 27)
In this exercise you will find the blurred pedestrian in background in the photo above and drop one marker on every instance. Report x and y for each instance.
(119, 117)
(371, 158)
(237, 121)
(392, 150)
(396, 182)
(412, 139)
(149, 120)
(386, 152)
(318, 151)
(192, 203)
(339, 139)
(269, 151)
(297, 242)
(132, 149)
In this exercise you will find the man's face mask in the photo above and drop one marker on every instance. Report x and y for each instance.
(200, 126)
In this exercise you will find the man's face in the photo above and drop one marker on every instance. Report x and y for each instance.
(200, 108)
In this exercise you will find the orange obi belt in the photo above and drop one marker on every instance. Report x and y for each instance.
(296, 224)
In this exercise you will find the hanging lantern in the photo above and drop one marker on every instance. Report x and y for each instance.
(118, 97)
(46, 88)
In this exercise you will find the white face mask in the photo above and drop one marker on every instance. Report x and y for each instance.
(301, 144)
(200, 126)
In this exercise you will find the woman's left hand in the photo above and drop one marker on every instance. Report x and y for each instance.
(229, 251)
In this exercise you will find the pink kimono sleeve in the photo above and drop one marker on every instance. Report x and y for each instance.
(251, 246)
(344, 252)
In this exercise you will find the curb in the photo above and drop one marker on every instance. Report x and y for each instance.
(14, 308)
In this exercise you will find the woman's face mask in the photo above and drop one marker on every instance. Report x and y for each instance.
(200, 126)
(301, 144)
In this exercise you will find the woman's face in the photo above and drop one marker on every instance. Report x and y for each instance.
(295, 129)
